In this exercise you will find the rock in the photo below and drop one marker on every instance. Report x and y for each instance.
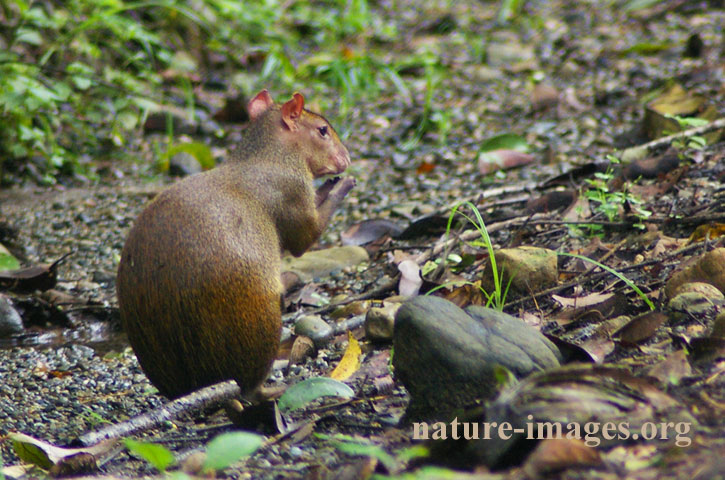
(532, 268)
(707, 290)
(379, 322)
(10, 321)
(322, 263)
(572, 396)
(718, 328)
(314, 327)
(449, 358)
(351, 309)
(183, 164)
(708, 268)
(696, 298)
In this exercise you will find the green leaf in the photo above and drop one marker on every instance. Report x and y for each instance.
(81, 83)
(29, 36)
(229, 448)
(128, 120)
(648, 48)
(505, 141)
(7, 261)
(158, 456)
(508, 10)
(32, 454)
(302, 393)
(640, 4)
(198, 150)
(367, 450)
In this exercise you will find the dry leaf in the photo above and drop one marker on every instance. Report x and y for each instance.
(494, 160)
(410, 279)
(552, 455)
(640, 328)
(672, 369)
(585, 301)
(30, 279)
(45, 455)
(350, 361)
(369, 231)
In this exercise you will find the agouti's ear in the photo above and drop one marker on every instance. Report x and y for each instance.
(292, 109)
(259, 104)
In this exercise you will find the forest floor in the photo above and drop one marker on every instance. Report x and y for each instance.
(558, 106)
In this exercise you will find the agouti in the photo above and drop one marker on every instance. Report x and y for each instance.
(199, 285)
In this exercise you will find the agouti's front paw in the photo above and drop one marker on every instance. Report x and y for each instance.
(343, 187)
(322, 193)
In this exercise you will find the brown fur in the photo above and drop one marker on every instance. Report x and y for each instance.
(199, 279)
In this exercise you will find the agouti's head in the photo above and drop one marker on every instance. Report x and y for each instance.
(306, 131)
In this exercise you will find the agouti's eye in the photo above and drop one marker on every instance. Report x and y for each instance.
(323, 130)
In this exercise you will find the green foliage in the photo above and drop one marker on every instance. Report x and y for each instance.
(508, 10)
(158, 456)
(634, 5)
(505, 141)
(610, 203)
(431, 120)
(7, 261)
(363, 448)
(229, 448)
(92, 418)
(497, 298)
(78, 78)
(695, 142)
(66, 71)
(302, 393)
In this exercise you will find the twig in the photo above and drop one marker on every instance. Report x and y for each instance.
(198, 400)
(422, 258)
(600, 275)
(635, 152)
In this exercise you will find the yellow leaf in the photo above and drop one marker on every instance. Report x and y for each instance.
(350, 361)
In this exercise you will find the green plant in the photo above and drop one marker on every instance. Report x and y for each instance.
(92, 418)
(627, 281)
(360, 447)
(157, 455)
(497, 298)
(430, 119)
(609, 203)
(68, 69)
(78, 78)
(508, 10)
(695, 142)
(228, 448)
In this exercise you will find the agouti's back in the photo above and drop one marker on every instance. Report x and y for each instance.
(199, 279)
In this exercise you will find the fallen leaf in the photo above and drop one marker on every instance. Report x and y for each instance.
(350, 361)
(369, 231)
(707, 232)
(304, 392)
(410, 279)
(585, 301)
(556, 454)
(672, 369)
(30, 279)
(489, 162)
(45, 455)
(640, 328)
